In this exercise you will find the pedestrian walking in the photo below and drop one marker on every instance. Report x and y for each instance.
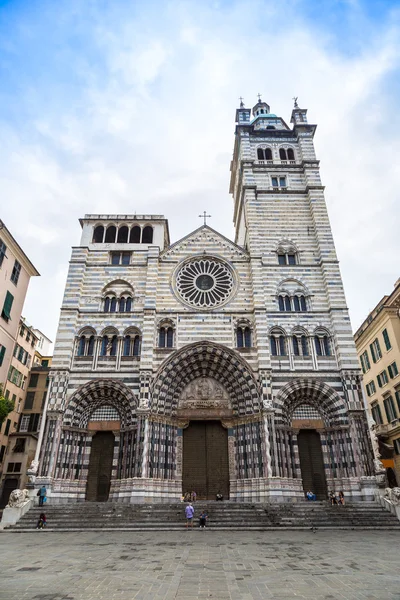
(189, 512)
(42, 495)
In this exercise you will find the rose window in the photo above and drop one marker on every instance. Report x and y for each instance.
(204, 282)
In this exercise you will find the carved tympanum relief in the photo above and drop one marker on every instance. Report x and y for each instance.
(204, 392)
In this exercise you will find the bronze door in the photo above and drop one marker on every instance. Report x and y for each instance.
(312, 463)
(205, 459)
(100, 465)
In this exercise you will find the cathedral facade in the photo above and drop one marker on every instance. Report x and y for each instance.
(211, 365)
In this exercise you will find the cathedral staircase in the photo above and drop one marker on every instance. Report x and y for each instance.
(107, 516)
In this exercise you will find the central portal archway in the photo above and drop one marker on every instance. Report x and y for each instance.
(205, 459)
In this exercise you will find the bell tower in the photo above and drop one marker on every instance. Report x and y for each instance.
(281, 218)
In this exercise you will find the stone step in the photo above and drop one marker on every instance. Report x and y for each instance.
(112, 516)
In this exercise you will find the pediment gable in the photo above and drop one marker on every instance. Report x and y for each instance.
(205, 239)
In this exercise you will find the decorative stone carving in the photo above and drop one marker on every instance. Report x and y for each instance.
(32, 472)
(393, 495)
(374, 437)
(204, 392)
(18, 498)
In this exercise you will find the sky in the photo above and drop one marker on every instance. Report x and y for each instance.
(124, 106)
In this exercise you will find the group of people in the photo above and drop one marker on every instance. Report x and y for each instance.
(189, 513)
(336, 499)
(189, 497)
(332, 497)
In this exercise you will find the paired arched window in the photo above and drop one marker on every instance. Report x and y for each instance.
(85, 345)
(264, 153)
(243, 336)
(166, 336)
(300, 345)
(322, 345)
(114, 304)
(287, 256)
(278, 344)
(123, 235)
(132, 344)
(286, 154)
(296, 303)
(109, 345)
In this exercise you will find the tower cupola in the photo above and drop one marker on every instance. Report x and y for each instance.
(261, 108)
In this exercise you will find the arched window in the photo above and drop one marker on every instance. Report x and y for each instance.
(303, 304)
(268, 154)
(147, 237)
(113, 304)
(127, 345)
(111, 234)
(170, 337)
(296, 303)
(282, 154)
(290, 154)
(239, 337)
(287, 257)
(281, 303)
(278, 344)
(122, 305)
(104, 346)
(304, 345)
(107, 305)
(98, 234)
(247, 337)
(128, 304)
(260, 154)
(82, 346)
(166, 336)
(136, 345)
(114, 342)
(90, 348)
(296, 349)
(322, 345)
(122, 235)
(288, 307)
(134, 236)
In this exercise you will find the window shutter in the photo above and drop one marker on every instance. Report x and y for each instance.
(386, 339)
(2, 353)
(7, 305)
(373, 352)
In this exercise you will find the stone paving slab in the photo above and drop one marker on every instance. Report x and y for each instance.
(338, 565)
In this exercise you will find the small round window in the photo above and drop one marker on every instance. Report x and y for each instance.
(204, 282)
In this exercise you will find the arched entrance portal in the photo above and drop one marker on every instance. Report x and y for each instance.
(312, 463)
(205, 459)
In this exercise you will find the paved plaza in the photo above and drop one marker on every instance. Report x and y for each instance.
(200, 564)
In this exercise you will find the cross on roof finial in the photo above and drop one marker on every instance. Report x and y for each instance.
(295, 102)
(241, 102)
(205, 216)
(259, 97)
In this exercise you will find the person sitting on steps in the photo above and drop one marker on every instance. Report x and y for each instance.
(311, 496)
(219, 497)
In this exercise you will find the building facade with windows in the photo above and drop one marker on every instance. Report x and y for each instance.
(22, 442)
(15, 272)
(15, 388)
(378, 347)
(208, 364)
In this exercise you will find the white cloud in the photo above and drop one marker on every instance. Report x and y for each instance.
(150, 128)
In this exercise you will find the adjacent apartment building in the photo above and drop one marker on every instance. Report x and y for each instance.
(15, 272)
(378, 348)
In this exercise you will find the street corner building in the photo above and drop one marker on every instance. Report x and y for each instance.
(207, 364)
